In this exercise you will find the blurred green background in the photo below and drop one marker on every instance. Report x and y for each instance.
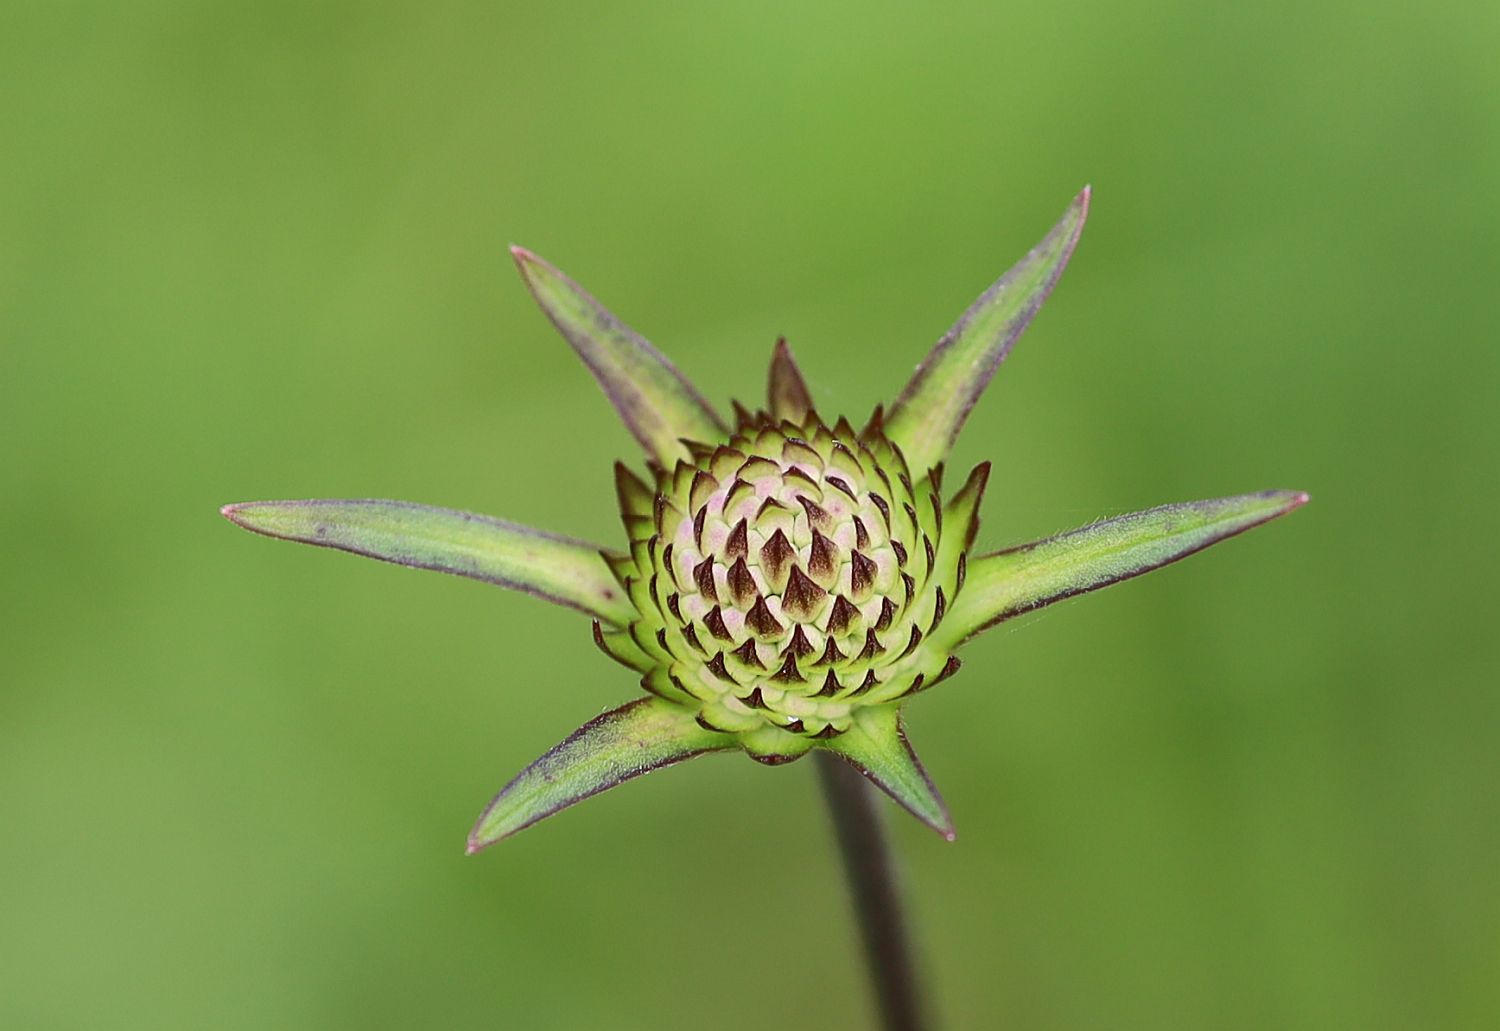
(257, 250)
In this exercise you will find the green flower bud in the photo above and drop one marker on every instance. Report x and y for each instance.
(789, 577)
(787, 585)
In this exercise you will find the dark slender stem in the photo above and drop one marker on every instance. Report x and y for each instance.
(870, 869)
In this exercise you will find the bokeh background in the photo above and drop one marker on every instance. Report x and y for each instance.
(257, 250)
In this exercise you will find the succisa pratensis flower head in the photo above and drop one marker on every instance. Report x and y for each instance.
(788, 582)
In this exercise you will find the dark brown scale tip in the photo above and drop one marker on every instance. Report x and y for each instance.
(787, 390)
(739, 491)
(870, 681)
(703, 574)
(699, 450)
(900, 550)
(741, 584)
(794, 727)
(937, 512)
(839, 484)
(887, 613)
(743, 417)
(861, 535)
(599, 639)
(747, 654)
(661, 639)
(757, 466)
(911, 491)
(876, 426)
(910, 585)
(799, 645)
(674, 604)
(788, 673)
(841, 447)
(703, 722)
(931, 551)
(963, 571)
(831, 686)
(714, 620)
(802, 597)
(802, 474)
(698, 519)
(831, 654)
(769, 505)
(760, 619)
(628, 485)
(911, 642)
(659, 509)
(842, 614)
(754, 700)
(796, 443)
(861, 574)
(725, 455)
(843, 430)
(911, 514)
(775, 554)
(703, 487)
(650, 686)
(883, 506)
(666, 561)
(949, 668)
(872, 649)
(690, 634)
(935, 475)
(772, 759)
(815, 512)
(716, 667)
(738, 544)
(916, 684)
(940, 608)
(829, 731)
(823, 560)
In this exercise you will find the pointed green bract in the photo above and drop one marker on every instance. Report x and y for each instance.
(926, 418)
(634, 739)
(876, 745)
(787, 391)
(560, 569)
(1028, 577)
(656, 401)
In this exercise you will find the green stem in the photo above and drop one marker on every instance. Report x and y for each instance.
(870, 869)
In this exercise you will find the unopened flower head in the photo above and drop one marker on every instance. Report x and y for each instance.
(789, 577)
(788, 583)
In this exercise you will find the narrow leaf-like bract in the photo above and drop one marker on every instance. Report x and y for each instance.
(1032, 575)
(560, 569)
(656, 401)
(927, 416)
(626, 742)
(876, 746)
(788, 394)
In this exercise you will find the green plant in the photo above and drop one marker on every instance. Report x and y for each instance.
(790, 584)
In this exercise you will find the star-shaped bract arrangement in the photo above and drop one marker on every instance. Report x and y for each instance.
(789, 584)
